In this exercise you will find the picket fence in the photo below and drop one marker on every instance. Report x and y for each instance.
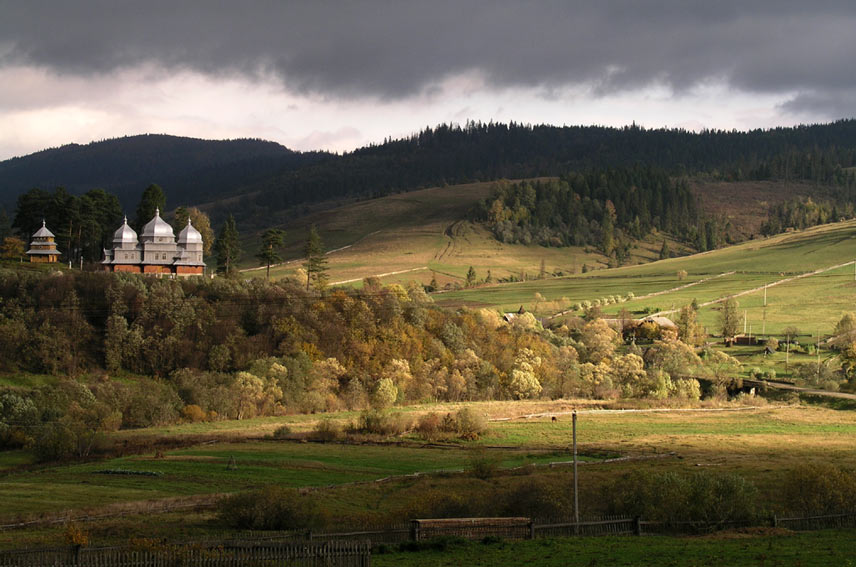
(250, 554)
(353, 548)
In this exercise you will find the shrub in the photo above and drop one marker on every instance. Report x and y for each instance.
(671, 497)
(542, 498)
(282, 432)
(270, 508)
(482, 465)
(325, 430)
(376, 422)
(429, 426)
(193, 414)
(820, 488)
(469, 425)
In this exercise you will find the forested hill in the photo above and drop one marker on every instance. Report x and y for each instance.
(268, 178)
(194, 170)
(451, 154)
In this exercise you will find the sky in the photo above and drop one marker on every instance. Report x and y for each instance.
(340, 75)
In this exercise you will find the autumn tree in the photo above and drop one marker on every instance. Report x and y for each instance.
(728, 318)
(600, 340)
(13, 248)
(271, 243)
(200, 222)
(689, 329)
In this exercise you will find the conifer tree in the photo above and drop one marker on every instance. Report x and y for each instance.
(271, 243)
(153, 198)
(471, 277)
(228, 248)
(315, 260)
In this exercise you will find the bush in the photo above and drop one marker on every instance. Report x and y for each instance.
(325, 430)
(270, 508)
(820, 488)
(429, 426)
(469, 425)
(671, 497)
(282, 432)
(482, 465)
(541, 498)
(193, 414)
(376, 422)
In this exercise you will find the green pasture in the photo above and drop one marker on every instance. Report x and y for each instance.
(762, 443)
(229, 467)
(420, 235)
(813, 303)
(823, 548)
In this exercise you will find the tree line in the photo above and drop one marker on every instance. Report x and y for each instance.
(602, 207)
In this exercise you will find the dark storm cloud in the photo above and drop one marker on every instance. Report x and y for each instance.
(394, 49)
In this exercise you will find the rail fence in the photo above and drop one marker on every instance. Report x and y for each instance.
(353, 548)
(251, 554)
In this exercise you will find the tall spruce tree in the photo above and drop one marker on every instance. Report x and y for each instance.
(271, 243)
(228, 248)
(316, 261)
(152, 198)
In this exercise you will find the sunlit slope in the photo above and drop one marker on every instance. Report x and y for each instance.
(811, 303)
(425, 234)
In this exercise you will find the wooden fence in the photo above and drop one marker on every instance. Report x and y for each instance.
(823, 522)
(472, 528)
(353, 548)
(614, 525)
(250, 554)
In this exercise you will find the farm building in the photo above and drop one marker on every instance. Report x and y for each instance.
(43, 247)
(156, 252)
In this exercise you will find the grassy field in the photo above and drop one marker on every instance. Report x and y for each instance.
(424, 234)
(761, 443)
(229, 467)
(733, 549)
(812, 304)
(749, 441)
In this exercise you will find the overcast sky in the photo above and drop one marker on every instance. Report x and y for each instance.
(338, 75)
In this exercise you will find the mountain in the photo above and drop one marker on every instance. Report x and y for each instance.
(263, 183)
(191, 170)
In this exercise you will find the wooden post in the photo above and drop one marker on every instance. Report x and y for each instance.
(531, 529)
(576, 484)
(637, 526)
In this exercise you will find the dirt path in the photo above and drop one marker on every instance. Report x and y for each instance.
(665, 291)
(381, 275)
(759, 288)
(792, 388)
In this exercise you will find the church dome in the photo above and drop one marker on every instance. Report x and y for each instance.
(158, 228)
(125, 235)
(189, 235)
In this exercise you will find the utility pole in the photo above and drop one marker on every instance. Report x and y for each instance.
(817, 350)
(744, 321)
(576, 484)
(787, 351)
(764, 319)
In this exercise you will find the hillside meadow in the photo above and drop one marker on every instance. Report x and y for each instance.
(426, 234)
(812, 303)
(208, 461)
